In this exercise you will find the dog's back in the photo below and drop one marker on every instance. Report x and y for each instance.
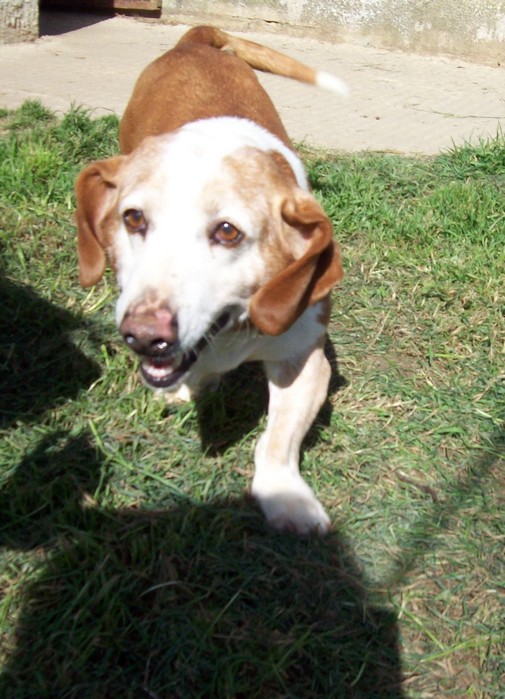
(207, 74)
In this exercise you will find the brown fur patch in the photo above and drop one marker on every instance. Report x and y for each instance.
(192, 82)
(268, 181)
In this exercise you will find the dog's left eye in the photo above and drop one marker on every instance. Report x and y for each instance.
(135, 221)
(226, 233)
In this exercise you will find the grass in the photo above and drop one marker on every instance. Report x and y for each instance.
(132, 565)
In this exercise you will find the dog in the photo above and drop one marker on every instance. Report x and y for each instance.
(221, 253)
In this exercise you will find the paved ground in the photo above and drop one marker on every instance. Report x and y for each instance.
(399, 102)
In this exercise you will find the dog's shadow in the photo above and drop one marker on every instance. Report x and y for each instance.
(241, 400)
(40, 366)
(196, 600)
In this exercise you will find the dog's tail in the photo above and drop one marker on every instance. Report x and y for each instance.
(264, 59)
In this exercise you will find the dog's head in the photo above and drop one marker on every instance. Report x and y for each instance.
(205, 228)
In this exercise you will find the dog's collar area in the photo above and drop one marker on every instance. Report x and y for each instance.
(164, 370)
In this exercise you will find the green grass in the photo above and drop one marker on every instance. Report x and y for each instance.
(132, 565)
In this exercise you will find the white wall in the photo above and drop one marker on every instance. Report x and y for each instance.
(471, 29)
(19, 20)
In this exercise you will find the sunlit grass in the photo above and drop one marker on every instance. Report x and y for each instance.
(133, 566)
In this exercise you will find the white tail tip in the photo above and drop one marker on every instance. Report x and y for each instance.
(330, 82)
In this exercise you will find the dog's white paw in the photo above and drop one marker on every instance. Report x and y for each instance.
(182, 395)
(290, 505)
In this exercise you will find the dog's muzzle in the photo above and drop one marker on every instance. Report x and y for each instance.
(164, 363)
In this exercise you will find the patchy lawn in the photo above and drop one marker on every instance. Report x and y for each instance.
(132, 565)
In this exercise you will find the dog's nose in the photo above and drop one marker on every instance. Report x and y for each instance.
(150, 333)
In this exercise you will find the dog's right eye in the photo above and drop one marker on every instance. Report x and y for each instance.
(135, 221)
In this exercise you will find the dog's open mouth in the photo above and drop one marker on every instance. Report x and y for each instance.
(166, 370)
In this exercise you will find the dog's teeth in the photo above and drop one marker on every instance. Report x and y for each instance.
(160, 372)
(157, 372)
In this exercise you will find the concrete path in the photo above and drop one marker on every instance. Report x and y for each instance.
(399, 102)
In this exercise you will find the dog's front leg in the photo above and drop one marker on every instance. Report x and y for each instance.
(297, 392)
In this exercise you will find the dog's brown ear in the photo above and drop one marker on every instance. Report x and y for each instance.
(277, 304)
(95, 190)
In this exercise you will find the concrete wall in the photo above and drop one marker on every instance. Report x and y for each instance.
(19, 20)
(470, 29)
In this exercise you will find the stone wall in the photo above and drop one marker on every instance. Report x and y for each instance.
(19, 20)
(470, 29)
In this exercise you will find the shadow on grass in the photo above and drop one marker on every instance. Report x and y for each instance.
(39, 364)
(227, 415)
(195, 601)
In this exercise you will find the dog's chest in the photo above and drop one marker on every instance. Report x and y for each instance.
(234, 347)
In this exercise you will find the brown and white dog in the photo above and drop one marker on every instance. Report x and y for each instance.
(221, 253)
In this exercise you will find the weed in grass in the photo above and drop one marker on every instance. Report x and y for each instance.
(30, 115)
(132, 565)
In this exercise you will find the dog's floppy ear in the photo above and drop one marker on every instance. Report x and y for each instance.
(278, 303)
(95, 190)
